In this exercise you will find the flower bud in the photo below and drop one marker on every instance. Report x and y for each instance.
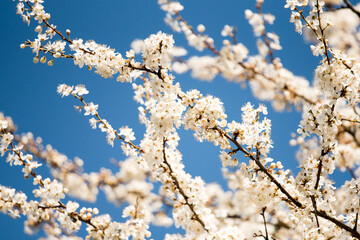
(36, 59)
(201, 28)
(57, 55)
(43, 59)
(38, 29)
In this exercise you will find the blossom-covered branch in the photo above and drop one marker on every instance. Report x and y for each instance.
(306, 205)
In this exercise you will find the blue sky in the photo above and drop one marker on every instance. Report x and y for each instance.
(28, 90)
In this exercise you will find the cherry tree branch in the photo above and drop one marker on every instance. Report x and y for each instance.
(179, 188)
(81, 99)
(263, 34)
(352, 8)
(247, 67)
(261, 166)
(323, 39)
(322, 214)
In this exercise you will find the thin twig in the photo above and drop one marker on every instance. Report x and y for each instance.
(322, 33)
(352, 8)
(350, 120)
(340, 224)
(351, 172)
(278, 224)
(105, 125)
(263, 34)
(356, 221)
(315, 212)
(181, 191)
(323, 153)
(266, 231)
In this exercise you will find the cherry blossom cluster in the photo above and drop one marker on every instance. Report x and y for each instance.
(164, 116)
(342, 34)
(268, 79)
(163, 108)
(336, 78)
(322, 114)
(124, 133)
(155, 51)
(172, 8)
(203, 115)
(127, 185)
(252, 132)
(270, 41)
(50, 207)
(104, 59)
